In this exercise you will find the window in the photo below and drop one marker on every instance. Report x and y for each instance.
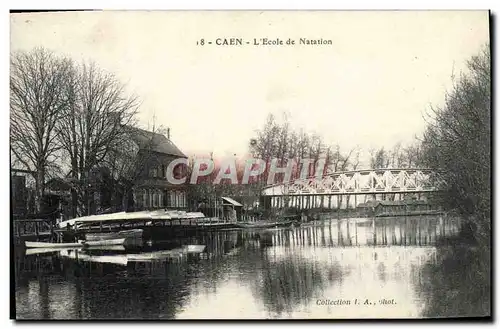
(165, 198)
(183, 199)
(150, 204)
(163, 171)
(144, 198)
(155, 199)
(172, 199)
(160, 196)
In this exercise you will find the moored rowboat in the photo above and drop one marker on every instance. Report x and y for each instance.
(38, 251)
(112, 242)
(36, 244)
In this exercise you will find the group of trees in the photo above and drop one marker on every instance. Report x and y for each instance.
(457, 142)
(279, 140)
(398, 157)
(68, 117)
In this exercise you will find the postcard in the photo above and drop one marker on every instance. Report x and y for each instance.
(171, 165)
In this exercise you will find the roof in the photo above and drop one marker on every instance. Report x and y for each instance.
(156, 141)
(362, 205)
(232, 201)
(368, 204)
(391, 203)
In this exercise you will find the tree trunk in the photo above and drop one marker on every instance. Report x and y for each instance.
(74, 203)
(39, 188)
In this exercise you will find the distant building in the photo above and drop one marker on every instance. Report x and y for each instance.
(382, 208)
(367, 208)
(19, 195)
(22, 196)
(151, 189)
(231, 209)
(404, 207)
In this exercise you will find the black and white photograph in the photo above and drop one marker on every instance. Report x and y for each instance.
(250, 165)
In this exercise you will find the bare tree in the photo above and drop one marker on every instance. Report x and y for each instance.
(379, 158)
(93, 125)
(355, 161)
(37, 102)
(457, 142)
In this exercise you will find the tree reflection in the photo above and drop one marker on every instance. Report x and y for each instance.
(286, 280)
(291, 282)
(457, 284)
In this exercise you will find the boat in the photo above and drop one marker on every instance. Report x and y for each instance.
(127, 234)
(79, 244)
(38, 251)
(111, 242)
(107, 248)
(36, 244)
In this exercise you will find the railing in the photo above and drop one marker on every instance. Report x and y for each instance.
(32, 228)
(373, 181)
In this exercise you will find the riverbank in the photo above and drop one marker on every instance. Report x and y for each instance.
(459, 285)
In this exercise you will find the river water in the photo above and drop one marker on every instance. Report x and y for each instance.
(329, 269)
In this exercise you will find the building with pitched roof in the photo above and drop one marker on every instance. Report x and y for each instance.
(151, 189)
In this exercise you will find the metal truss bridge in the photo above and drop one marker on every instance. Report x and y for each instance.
(371, 181)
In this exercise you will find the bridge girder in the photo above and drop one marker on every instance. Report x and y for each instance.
(375, 181)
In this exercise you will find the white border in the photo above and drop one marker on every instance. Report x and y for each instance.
(255, 5)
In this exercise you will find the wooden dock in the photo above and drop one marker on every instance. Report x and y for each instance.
(151, 228)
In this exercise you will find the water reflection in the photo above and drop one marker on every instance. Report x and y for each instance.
(305, 272)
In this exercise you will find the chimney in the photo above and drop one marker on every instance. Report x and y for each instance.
(168, 133)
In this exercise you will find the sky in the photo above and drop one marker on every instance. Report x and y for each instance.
(370, 88)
